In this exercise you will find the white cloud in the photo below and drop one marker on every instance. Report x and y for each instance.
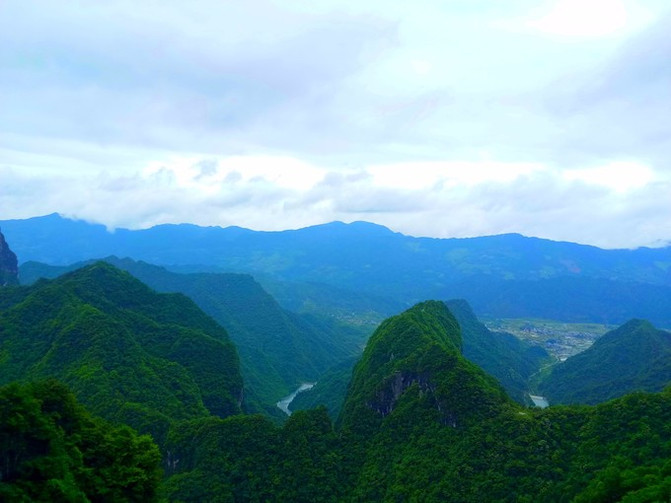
(583, 19)
(445, 118)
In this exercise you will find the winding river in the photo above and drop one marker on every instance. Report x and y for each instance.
(284, 403)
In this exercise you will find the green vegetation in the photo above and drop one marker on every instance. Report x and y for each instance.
(329, 391)
(409, 440)
(129, 354)
(511, 361)
(52, 449)
(278, 349)
(420, 422)
(633, 357)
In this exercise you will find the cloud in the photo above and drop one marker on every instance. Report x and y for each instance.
(456, 118)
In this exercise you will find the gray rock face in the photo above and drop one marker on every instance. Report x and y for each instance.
(9, 266)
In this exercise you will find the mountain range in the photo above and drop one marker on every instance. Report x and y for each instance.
(278, 349)
(426, 414)
(382, 271)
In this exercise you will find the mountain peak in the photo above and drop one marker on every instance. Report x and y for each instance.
(415, 357)
(9, 268)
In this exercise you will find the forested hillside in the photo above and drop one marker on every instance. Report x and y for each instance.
(511, 361)
(52, 449)
(633, 357)
(420, 422)
(278, 349)
(129, 354)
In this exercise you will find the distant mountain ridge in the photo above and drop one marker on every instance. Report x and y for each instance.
(509, 254)
(594, 284)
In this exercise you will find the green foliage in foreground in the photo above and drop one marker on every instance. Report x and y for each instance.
(248, 458)
(52, 449)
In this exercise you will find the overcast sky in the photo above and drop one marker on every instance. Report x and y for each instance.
(444, 118)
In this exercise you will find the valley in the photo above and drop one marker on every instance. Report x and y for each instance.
(328, 393)
(560, 339)
(284, 404)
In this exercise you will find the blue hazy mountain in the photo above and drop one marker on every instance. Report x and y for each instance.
(507, 275)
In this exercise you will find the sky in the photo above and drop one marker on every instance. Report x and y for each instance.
(445, 118)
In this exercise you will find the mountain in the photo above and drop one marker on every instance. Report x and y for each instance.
(633, 357)
(129, 354)
(511, 361)
(421, 423)
(413, 361)
(278, 349)
(9, 271)
(385, 268)
(324, 252)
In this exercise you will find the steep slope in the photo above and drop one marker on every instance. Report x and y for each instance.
(421, 423)
(278, 349)
(129, 354)
(510, 360)
(9, 270)
(633, 357)
(503, 356)
(416, 357)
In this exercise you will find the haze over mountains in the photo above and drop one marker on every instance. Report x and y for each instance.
(500, 276)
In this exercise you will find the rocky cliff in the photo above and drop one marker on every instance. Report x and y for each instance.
(9, 269)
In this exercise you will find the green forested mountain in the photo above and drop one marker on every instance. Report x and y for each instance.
(129, 354)
(52, 449)
(278, 349)
(511, 361)
(502, 355)
(633, 357)
(420, 422)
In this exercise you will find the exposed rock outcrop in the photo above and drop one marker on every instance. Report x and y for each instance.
(9, 267)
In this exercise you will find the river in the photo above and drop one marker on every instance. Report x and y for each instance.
(539, 401)
(284, 403)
